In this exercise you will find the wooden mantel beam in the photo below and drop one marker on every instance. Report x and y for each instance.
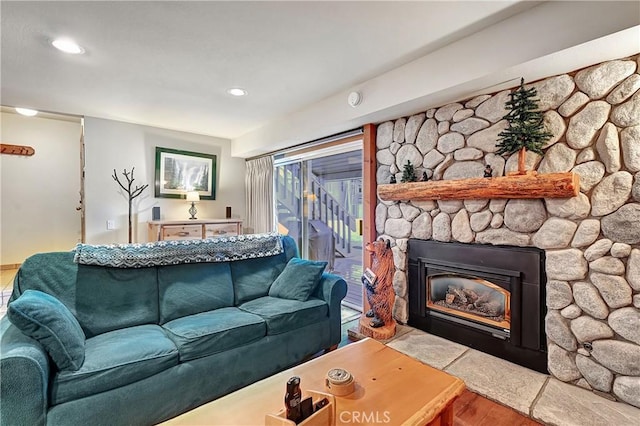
(551, 185)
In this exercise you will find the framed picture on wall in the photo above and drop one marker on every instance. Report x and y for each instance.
(179, 172)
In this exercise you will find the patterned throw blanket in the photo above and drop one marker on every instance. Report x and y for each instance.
(175, 252)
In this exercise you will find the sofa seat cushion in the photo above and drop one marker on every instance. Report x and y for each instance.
(215, 331)
(283, 315)
(115, 359)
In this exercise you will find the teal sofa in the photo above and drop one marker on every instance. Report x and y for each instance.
(160, 340)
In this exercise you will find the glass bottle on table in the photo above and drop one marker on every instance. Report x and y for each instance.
(292, 399)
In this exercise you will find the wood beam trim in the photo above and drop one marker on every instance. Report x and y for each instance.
(369, 199)
(369, 196)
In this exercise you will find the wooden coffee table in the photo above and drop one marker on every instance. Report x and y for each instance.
(391, 388)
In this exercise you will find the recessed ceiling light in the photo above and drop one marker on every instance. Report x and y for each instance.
(26, 111)
(67, 46)
(236, 91)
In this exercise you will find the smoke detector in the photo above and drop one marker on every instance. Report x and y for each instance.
(354, 99)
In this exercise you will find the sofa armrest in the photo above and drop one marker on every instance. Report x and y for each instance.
(332, 289)
(24, 366)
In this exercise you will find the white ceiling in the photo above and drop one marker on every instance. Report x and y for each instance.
(168, 64)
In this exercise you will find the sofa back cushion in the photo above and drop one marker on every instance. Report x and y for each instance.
(101, 299)
(192, 288)
(252, 278)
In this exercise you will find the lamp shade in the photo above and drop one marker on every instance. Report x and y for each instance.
(193, 196)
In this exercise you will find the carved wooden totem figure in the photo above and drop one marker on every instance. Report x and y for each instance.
(380, 292)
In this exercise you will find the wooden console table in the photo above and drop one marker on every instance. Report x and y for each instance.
(166, 230)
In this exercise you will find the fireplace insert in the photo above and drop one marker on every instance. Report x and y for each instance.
(471, 298)
(490, 298)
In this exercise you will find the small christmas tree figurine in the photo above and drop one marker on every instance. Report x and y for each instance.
(526, 128)
(409, 173)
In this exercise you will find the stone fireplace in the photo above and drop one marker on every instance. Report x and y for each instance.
(589, 298)
(487, 297)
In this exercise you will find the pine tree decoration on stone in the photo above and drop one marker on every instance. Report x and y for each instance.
(526, 128)
(409, 173)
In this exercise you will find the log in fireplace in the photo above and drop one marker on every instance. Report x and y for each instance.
(490, 298)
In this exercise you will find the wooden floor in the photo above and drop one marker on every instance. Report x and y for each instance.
(350, 268)
(471, 409)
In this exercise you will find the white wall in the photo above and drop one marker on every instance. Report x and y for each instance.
(113, 144)
(525, 45)
(39, 193)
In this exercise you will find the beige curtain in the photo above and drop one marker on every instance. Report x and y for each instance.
(259, 195)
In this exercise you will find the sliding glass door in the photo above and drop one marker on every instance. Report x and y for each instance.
(318, 197)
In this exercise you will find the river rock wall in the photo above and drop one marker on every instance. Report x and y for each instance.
(592, 241)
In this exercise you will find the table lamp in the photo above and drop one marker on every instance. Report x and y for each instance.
(193, 197)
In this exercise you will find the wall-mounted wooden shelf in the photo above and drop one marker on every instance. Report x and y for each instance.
(551, 185)
(9, 149)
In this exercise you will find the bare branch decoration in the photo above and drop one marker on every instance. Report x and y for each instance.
(131, 193)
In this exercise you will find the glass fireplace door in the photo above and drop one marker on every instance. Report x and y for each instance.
(471, 298)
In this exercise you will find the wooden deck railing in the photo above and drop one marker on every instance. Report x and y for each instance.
(327, 209)
(323, 206)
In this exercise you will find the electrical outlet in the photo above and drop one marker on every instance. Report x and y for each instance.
(111, 225)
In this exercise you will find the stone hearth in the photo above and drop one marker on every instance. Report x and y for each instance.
(536, 395)
(591, 242)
